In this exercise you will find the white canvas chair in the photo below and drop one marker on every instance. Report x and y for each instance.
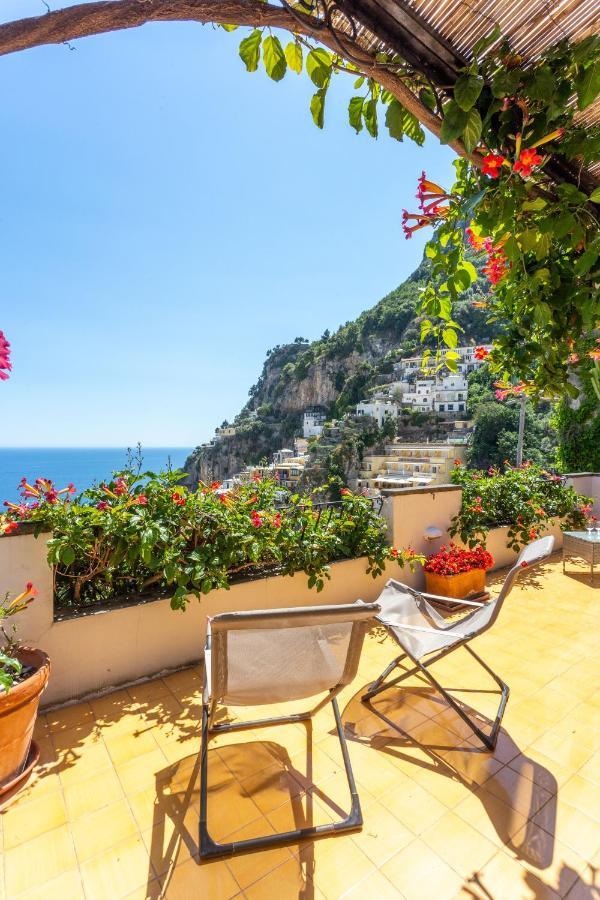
(275, 656)
(420, 631)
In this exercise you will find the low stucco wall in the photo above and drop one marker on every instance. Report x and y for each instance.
(95, 652)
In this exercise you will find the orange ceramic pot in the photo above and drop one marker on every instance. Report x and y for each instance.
(18, 712)
(457, 586)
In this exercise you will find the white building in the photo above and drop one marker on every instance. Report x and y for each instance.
(283, 455)
(314, 419)
(380, 410)
(451, 394)
(466, 362)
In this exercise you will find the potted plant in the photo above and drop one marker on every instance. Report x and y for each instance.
(23, 677)
(456, 572)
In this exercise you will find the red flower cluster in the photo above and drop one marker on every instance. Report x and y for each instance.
(453, 560)
(497, 264)
(477, 507)
(256, 519)
(177, 499)
(526, 161)
(430, 195)
(345, 492)
(492, 164)
(5, 363)
(481, 353)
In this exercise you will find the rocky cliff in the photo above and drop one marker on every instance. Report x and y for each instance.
(332, 373)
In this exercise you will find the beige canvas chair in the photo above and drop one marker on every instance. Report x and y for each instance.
(278, 656)
(420, 630)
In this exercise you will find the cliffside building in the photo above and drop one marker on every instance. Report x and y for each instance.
(380, 410)
(314, 419)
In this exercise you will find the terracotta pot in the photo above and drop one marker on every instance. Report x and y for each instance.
(18, 712)
(458, 586)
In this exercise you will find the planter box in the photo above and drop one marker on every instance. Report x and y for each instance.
(458, 586)
(503, 555)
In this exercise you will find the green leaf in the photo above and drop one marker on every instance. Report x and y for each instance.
(454, 122)
(426, 327)
(250, 50)
(412, 128)
(472, 271)
(595, 196)
(587, 84)
(293, 55)
(586, 261)
(484, 43)
(472, 131)
(450, 337)
(229, 27)
(506, 82)
(427, 98)
(370, 117)
(274, 58)
(318, 66)
(355, 113)
(534, 205)
(359, 82)
(466, 91)
(317, 108)
(67, 556)
(394, 120)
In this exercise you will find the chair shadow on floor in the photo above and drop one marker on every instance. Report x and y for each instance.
(255, 787)
(416, 726)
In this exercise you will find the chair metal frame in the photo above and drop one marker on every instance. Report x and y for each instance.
(211, 849)
(489, 740)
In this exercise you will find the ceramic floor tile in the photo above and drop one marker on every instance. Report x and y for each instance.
(37, 861)
(92, 794)
(191, 881)
(29, 820)
(117, 871)
(97, 832)
(420, 874)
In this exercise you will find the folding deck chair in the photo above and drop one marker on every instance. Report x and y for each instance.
(420, 631)
(274, 656)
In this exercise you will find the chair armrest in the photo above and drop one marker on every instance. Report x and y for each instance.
(450, 599)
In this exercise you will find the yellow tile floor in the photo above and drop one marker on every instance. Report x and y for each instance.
(112, 810)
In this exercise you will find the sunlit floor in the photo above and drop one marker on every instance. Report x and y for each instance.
(112, 810)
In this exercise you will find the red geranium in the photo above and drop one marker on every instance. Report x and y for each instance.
(453, 560)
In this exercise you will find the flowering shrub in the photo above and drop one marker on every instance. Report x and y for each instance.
(452, 560)
(527, 499)
(10, 667)
(5, 363)
(516, 205)
(143, 532)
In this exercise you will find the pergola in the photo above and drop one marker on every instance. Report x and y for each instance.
(434, 37)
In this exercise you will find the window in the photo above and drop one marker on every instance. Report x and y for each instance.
(450, 406)
(441, 407)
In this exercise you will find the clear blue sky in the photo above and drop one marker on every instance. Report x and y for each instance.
(166, 218)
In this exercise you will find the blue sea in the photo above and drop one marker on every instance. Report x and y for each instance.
(82, 465)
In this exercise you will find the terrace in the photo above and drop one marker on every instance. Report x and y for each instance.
(112, 810)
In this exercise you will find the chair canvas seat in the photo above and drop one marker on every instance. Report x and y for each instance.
(420, 626)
